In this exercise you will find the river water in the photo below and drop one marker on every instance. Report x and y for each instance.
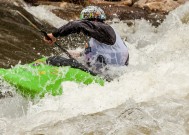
(150, 97)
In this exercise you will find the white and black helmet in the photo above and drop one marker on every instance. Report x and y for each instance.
(93, 12)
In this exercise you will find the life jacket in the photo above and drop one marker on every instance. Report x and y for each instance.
(97, 53)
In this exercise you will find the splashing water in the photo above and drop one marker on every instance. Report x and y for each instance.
(155, 82)
(44, 13)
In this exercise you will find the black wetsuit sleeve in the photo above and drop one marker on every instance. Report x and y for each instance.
(98, 30)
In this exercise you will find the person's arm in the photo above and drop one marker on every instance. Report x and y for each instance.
(99, 31)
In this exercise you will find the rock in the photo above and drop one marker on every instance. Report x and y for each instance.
(65, 10)
(159, 5)
(67, 14)
(117, 3)
(70, 11)
(132, 13)
(31, 1)
(19, 41)
(80, 2)
(152, 10)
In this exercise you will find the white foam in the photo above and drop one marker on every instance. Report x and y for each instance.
(158, 68)
(44, 13)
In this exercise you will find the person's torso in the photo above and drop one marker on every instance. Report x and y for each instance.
(116, 54)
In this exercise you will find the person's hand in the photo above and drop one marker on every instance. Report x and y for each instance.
(51, 39)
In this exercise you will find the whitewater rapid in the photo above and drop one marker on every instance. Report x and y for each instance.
(156, 81)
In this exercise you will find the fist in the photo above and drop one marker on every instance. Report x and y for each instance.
(50, 40)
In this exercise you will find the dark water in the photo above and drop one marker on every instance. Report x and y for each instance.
(19, 41)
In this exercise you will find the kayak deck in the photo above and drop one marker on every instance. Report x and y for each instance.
(38, 78)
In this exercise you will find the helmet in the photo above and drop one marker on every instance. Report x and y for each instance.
(93, 12)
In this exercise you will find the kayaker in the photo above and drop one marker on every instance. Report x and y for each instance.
(105, 46)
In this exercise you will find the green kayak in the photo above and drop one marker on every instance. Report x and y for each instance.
(37, 79)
